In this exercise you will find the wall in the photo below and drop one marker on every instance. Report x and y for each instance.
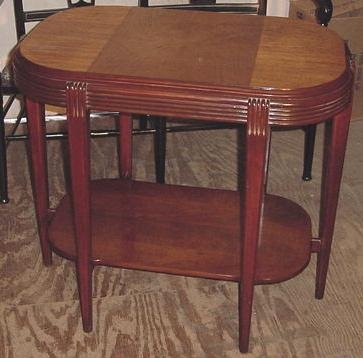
(7, 29)
(278, 7)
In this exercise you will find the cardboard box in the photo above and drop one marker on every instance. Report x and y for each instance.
(302, 9)
(347, 8)
(305, 9)
(350, 29)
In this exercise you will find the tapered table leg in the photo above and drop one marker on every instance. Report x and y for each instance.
(257, 146)
(79, 153)
(336, 133)
(38, 162)
(125, 145)
(3, 164)
(160, 149)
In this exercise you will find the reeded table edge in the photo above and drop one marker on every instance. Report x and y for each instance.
(184, 100)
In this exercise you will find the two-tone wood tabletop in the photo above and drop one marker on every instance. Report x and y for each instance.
(257, 71)
(192, 64)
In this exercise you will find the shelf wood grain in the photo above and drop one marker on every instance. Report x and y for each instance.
(184, 231)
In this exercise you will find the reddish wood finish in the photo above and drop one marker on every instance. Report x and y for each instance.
(78, 139)
(182, 230)
(257, 139)
(39, 173)
(237, 64)
(277, 72)
(334, 148)
(125, 146)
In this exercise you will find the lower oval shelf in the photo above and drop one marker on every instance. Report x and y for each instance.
(184, 230)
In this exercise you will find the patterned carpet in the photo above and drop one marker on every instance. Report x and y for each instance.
(139, 314)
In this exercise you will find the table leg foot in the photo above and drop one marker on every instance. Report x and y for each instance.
(245, 313)
(84, 277)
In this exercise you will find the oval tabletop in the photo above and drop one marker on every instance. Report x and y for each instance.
(186, 63)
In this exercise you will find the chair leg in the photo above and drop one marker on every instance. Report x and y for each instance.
(160, 149)
(3, 163)
(143, 3)
(143, 120)
(309, 144)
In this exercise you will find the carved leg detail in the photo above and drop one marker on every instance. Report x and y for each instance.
(78, 137)
(125, 146)
(257, 146)
(336, 133)
(38, 162)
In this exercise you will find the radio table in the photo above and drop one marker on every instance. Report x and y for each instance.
(256, 71)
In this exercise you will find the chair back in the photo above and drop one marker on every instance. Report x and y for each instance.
(257, 7)
(25, 16)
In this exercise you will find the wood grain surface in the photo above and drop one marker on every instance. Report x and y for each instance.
(140, 314)
(198, 47)
(196, 65)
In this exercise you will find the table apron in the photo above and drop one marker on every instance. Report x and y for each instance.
(192, 101)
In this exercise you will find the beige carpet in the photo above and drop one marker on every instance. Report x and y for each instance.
(138, 314)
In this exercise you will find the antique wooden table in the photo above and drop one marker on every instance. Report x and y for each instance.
(257, 71)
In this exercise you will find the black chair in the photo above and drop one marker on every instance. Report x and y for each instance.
(9, 90)
(158, 125)
(323, 14)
